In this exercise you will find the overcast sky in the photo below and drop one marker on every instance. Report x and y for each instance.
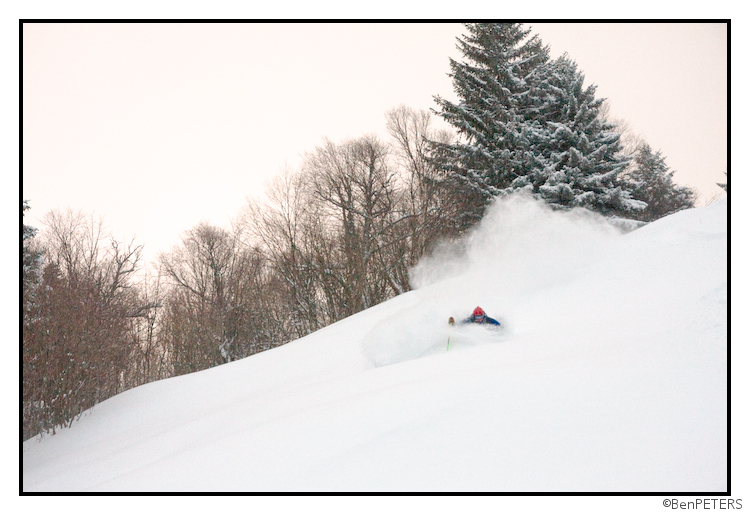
(157, 127)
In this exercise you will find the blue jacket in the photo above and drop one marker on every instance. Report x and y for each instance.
(487, 320)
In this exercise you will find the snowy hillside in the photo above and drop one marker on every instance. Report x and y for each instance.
(612, 376)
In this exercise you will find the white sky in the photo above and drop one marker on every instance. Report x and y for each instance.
(157, 127)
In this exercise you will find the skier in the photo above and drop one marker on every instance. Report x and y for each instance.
(479, 317)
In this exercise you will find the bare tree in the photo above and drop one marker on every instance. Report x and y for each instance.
(355, 184)
(150, 358)
(284, 227)
(428, 203)
(212, 314)
(78, 345)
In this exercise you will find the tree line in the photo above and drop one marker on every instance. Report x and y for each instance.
(331, 238)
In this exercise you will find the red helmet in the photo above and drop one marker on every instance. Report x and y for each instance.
(478, 312)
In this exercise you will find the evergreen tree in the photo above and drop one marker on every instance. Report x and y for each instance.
(651, 181)
(31, 263)
(492, 111)
(528, 123)
(31, 258)
(30, 268)
(724, 185)
(577, 155)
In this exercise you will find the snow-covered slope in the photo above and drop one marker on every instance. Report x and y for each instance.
(612, 376)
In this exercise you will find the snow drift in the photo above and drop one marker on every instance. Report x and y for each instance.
(611, 376)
